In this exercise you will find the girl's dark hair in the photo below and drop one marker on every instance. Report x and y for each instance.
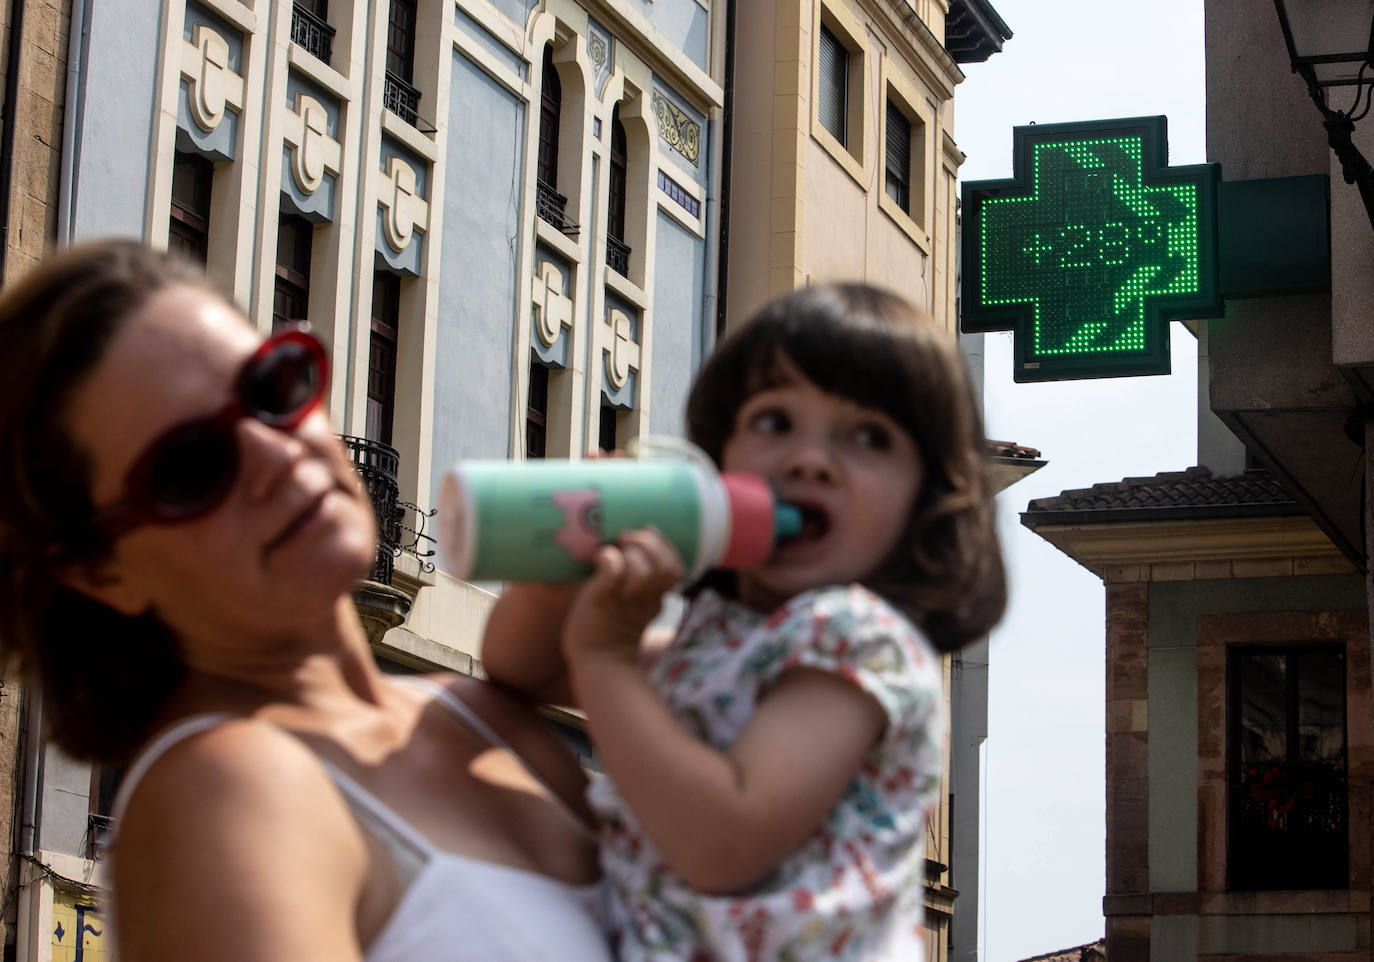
(104, 676)
(873, 348)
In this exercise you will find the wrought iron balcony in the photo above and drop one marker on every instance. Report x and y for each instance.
(378, 464)
(311, 32)
(618, 255)
(403, 100)
(549, 205)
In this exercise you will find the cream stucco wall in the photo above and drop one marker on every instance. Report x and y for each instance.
(804, 207)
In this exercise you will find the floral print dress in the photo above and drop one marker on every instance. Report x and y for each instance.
(853, 889)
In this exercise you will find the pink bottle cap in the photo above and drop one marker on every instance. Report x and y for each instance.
(751, 521)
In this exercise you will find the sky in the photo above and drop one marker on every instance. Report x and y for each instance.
(1044, 829)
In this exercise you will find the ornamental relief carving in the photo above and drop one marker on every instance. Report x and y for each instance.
(678, 130)
(406, 211)
(313, 150)
(552, 308)
(622, 353)
(212, 86)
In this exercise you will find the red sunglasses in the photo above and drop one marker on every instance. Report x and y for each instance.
(189, 469)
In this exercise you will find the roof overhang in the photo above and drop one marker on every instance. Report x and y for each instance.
(1007, 471)
(1100, 546)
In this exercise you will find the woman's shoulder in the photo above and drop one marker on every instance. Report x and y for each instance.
(239, 823)
(231, 764)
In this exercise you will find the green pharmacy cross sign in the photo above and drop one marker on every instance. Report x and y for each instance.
(1091, 248)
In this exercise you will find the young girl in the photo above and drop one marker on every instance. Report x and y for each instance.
(772, 765)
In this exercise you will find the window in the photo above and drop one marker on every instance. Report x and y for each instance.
(1287, 769)
(898, 177)
(550, 110)
(537, 411)
(617, 251)
(291, 296)
(381, 356)
(400, 40)
(310, 27)
(832, 103)
(606, 439)
(188, 232)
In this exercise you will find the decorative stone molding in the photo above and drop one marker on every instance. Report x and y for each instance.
(1182, 550)
(553, 309)
(212, 85)
(622, 353)
(676, 129)
(406, 211)
(599, 52)
(313, 150)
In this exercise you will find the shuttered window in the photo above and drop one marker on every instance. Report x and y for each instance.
(833, 86)
(898, 180)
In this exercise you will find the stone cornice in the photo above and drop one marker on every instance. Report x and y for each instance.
(1294, 540)
(923, 48)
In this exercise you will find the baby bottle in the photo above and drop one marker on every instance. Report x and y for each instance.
(544, 520)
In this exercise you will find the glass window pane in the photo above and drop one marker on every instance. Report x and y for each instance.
(833, 85)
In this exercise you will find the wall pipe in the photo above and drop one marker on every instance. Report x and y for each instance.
(722, 169)
(71, 115)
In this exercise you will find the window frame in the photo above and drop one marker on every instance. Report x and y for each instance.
(537, 409)
(188, 228)
(379, 421)
(852, 152)
(401, 56)
(1239, 783)
(916, 220)
(290, 279)
(550, 119)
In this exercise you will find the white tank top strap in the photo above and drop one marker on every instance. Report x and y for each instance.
(360, 798)
(158, 747)
(458, 707)
(464, 712)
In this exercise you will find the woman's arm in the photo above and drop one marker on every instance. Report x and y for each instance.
(721, 820)
(236, 846)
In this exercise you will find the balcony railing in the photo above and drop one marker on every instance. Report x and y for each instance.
(403, 100)
(312, 33)
(549, 205)
(378, 464)
(618, 255)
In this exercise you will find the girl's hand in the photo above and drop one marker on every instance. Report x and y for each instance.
(614, 606)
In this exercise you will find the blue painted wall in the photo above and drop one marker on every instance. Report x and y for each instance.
(679, 302)
(684, 22)
(117, 119)
(472, 401)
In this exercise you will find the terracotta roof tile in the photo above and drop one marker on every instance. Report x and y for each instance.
(1092, 952)
(1010, 449)
(1193, 492)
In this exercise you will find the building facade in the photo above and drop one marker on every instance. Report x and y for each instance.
(498, 216)
(518, 226)
(842, 165)
(1239, 723)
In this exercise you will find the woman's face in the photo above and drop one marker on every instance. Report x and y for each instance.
(293, 534)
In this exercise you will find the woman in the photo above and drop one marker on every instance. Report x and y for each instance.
(183, 531)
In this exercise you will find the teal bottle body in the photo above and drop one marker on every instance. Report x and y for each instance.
(544, 520)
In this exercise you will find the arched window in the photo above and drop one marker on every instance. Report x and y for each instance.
(617, 251)
(550, 110)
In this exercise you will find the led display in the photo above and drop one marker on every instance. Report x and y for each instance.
(1090, 249)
